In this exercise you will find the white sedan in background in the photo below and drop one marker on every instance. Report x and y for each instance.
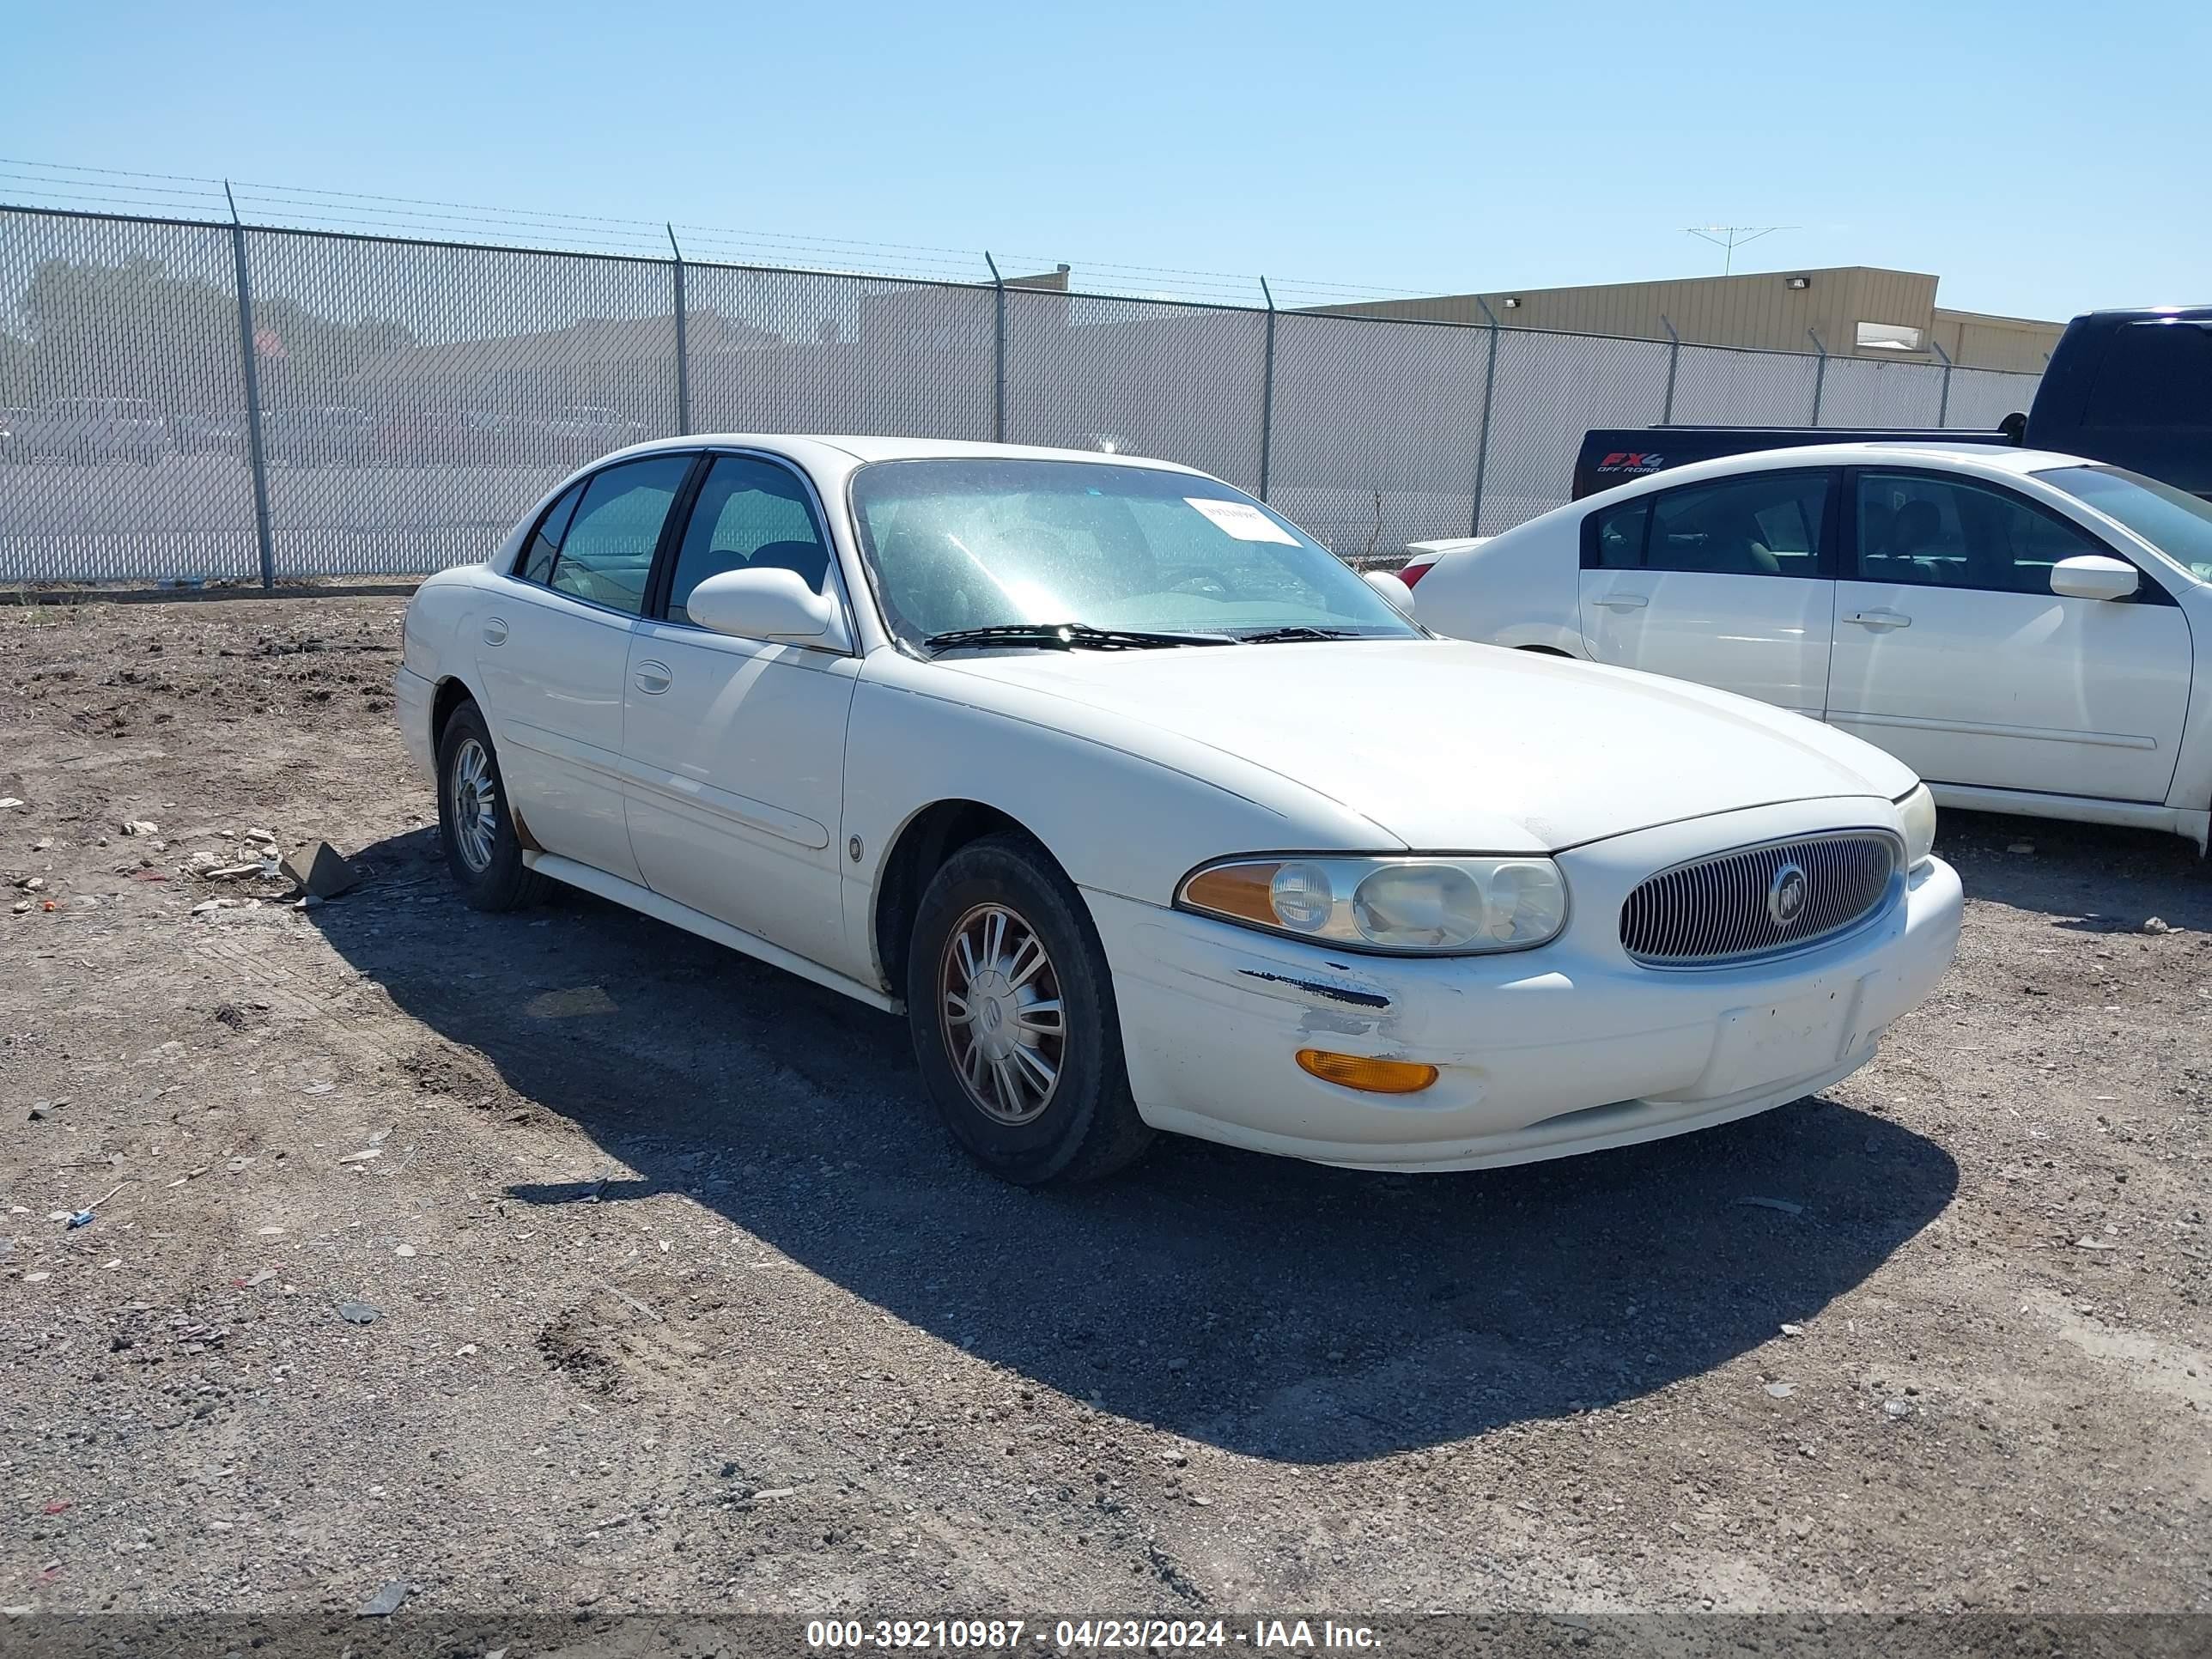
(1097, 769)
(2022, 628)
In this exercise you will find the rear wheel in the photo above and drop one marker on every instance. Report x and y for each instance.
(1014, 1023)
(474, 822)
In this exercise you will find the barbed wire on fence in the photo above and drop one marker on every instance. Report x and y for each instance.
(57, 184)
(188, 400)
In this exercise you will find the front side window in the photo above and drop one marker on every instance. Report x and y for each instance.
(1930, 532)
(751, 516)
(1767, 524)
(606, 554)
(954, 545)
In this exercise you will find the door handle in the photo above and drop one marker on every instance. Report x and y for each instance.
(653, 678)
(494, 631)
(1622, 601)
(1879, 620)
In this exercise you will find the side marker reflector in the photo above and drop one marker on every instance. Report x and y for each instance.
(1374, 1077)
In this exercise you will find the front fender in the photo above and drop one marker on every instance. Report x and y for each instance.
(1118, 822)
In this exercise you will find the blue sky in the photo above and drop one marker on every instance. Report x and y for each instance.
(2040, 159)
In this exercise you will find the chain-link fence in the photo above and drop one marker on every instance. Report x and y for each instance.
(215, 402)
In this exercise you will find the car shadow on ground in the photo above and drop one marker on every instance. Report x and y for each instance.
(1269, 1307)
(2087, 878)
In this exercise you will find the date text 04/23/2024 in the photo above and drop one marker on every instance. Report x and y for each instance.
(1089, 1635)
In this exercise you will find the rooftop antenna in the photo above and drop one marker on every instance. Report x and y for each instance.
(1732, 237)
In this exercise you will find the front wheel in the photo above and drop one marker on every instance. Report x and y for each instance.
(474, 821)
(1014, 1023)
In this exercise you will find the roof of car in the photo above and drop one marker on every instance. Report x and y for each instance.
(1967, 457)
(863, 447)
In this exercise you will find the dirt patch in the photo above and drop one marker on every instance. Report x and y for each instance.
(675, 1298)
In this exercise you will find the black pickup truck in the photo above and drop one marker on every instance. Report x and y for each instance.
(2132, 388)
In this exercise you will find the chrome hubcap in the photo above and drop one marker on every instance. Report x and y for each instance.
(476, 804)
(999, 1009)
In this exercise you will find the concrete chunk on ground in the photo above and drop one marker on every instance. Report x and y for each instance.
(322, 874)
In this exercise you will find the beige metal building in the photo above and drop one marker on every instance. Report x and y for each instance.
(1851, 310)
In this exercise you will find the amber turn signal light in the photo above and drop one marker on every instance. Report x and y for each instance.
(1374, 1077)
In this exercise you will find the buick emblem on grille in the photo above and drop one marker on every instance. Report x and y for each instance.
(1785, 896)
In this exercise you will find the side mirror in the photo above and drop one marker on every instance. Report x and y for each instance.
(1387, 584)
(773, 605)
(2093, 576)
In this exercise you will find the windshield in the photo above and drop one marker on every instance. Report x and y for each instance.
(2175, 522)
(995, 542)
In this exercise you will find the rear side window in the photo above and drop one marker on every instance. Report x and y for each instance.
(751, 516)
(2153, 374)
(605, 555)
(1765, 524)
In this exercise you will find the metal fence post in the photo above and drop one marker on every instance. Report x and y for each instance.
(1943, 406)
(1266, 390)
(1673, 362)
(683, 352)
(1482, 449)
(255, 460)
(1819, 374)
(997, 353)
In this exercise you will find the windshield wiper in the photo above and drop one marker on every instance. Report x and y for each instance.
(1298, 632)
(1069, 636)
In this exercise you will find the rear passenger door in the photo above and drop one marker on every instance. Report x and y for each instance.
(1724, 583)
(553, 652)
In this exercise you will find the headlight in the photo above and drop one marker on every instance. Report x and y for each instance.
(1917, 813)
(1415, 906)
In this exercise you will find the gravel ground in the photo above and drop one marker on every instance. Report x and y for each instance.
(681, 1300)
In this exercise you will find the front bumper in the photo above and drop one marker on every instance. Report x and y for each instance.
(1567, 1049)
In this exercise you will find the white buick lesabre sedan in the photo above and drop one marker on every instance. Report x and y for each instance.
(2020, 628)
(1100, 771)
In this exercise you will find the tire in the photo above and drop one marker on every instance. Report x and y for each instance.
(481, 849)
(1082, 1125)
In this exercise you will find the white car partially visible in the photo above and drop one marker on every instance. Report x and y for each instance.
(1095, 768)
(2023, 628)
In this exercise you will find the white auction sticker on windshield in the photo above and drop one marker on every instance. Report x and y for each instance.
(1243, 520)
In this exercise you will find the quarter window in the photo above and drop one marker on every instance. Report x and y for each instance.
(1926, 531)
(751, 516)
(1767, 524)
(606, 554)
(1614, 538)
(536, 564)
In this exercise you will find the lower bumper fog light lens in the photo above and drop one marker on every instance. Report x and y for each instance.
(1374, 1077)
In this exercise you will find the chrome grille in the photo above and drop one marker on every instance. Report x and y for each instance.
(1734, 907)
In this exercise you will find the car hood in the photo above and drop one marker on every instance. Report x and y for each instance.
(1449, 745)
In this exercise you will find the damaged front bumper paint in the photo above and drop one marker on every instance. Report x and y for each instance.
(1565, 1048)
